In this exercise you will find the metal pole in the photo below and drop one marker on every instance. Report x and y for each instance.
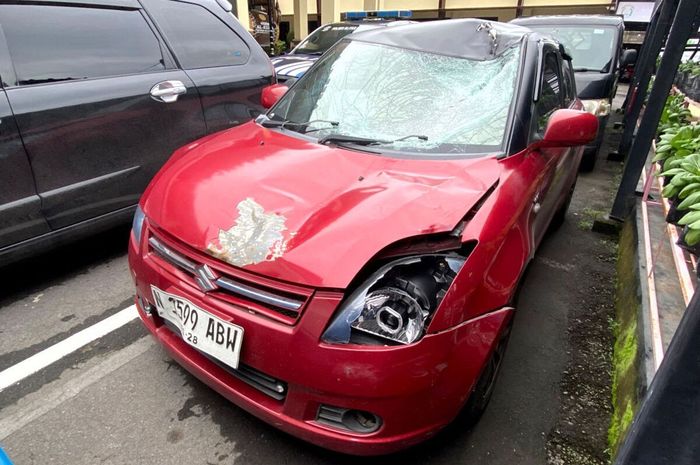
(644, 51)
(666, 429)
(642, 74)
(680, 31)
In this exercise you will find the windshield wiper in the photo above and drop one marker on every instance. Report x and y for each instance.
(410, 136)
(271, 123)
(340, 138)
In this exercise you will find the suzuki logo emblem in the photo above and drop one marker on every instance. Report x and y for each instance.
(205, 278)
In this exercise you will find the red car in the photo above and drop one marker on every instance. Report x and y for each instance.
(345, 266)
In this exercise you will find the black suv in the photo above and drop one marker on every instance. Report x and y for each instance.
(96, 95)
(595, 45)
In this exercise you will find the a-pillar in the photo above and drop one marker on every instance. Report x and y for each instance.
(330, 11)
(301, 20)
(242, 13)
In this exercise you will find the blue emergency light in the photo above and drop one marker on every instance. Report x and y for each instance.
(376, 14)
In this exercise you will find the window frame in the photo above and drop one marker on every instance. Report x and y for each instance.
(8, 73)
(151, 11)
(545, 50)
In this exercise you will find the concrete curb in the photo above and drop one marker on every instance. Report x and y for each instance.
(647, 368)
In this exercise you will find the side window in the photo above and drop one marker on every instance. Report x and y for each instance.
(199, 39)
(63, 43)
(569, 83)
(550, 91)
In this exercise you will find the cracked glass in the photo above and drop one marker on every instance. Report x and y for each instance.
(433, 103)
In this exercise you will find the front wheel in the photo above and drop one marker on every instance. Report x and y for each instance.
(588, 160)
(560, 215)
(481, 395)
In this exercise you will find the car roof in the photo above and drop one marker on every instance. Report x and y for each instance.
(478, 39)
(602, 20)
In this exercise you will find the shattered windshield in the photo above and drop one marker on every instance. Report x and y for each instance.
(405, 100)
(591, 47)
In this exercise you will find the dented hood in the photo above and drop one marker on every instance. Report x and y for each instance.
(303, 212)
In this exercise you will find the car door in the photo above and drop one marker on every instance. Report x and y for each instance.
(551, 159)
(20, 206)
(99, 103)
(567, 165)
(223, 60)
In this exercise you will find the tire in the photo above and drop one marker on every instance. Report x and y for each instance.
(588, 160)
(482, 392)
(560, 215)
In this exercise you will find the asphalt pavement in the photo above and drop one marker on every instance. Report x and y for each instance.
(122, 400)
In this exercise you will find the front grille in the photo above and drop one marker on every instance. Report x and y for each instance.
(216, 280)
(264, 383)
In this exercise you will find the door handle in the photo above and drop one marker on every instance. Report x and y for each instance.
(168, 91)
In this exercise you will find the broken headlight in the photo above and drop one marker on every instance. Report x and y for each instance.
(395, 303)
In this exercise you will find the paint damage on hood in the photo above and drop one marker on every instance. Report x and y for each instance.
(256, 237)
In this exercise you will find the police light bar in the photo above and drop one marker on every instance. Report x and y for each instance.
(376, 14)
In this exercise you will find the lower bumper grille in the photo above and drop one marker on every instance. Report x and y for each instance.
(264, 383)
(356, 421)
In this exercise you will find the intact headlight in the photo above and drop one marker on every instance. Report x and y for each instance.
(396, 302)
(137, 224)
(598, 107)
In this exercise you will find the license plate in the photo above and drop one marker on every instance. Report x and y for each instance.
(199, 328)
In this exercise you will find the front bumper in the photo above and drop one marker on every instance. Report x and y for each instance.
(415, 390)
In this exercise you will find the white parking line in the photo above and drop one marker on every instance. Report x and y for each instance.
(45, 402)
(46, 357)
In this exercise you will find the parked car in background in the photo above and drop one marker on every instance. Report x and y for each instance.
(291, 66)
(95, 97)
(346, 266)
(595, 45)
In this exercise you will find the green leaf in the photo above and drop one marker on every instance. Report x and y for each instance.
(672, 172)
(689, 189)
(691, 217)
(670, 191)
(692, 199)
(692, 237)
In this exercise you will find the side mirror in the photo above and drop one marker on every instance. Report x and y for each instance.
(569, 128)
(629, 57)
(271, 94)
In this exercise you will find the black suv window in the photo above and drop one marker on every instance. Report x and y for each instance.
(199, 39)
(61, 43)
(550, 91)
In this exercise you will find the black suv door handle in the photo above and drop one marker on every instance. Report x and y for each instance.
(168, 91)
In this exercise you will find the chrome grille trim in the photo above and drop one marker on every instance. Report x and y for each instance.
(178, 260)
(260, 296)
(172, 257)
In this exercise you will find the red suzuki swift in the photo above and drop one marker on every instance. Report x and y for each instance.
(344, 266)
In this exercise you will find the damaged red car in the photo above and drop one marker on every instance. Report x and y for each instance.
(345, 266)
